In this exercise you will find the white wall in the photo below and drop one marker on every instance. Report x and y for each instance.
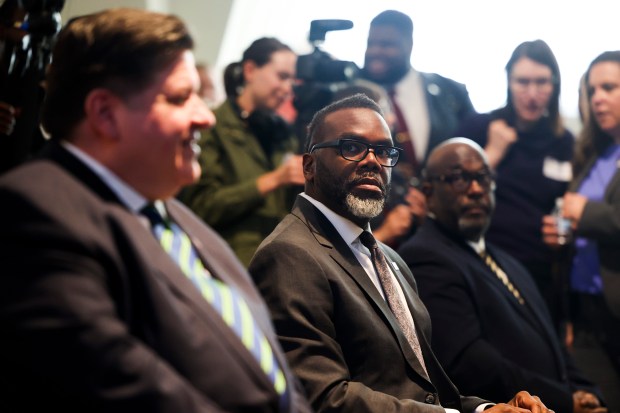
(469, 41)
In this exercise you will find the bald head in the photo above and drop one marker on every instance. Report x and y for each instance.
(449, 151)
(460, 188)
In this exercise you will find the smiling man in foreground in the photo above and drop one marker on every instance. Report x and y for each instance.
(114, 297)
(346, 310)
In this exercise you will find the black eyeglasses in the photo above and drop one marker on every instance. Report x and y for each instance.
(461, 180)
(356, 151)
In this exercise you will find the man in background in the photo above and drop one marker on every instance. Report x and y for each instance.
(113, 296)
(492, 330)
(428, 109)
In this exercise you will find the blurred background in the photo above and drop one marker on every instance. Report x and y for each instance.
(468, 41)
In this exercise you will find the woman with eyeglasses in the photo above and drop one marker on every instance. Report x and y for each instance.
(251, 172)
(593, 207)
(530, 151)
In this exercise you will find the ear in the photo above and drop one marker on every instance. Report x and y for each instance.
(249, 68)
(100, 108)
(309, 167)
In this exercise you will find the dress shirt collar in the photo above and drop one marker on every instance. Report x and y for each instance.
(127, 195)
(349, 231)
(479, 246)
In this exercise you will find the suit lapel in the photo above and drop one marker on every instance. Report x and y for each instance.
(341, 253)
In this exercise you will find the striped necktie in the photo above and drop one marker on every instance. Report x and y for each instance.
(503, 277)
(226, 300)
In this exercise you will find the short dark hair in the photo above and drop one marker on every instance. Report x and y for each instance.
(357, 101)
(396, 19)
(118, 49)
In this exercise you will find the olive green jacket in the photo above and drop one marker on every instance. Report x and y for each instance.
(226, 195)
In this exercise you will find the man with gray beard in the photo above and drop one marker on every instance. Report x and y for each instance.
(345, 308)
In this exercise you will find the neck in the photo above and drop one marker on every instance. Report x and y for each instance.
(245, 103)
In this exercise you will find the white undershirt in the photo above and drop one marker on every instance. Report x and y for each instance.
(411, 99)
(350, 232)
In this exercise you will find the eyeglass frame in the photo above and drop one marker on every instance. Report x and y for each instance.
(467, 177)
(339, 142)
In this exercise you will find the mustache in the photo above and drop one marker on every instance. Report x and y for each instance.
(485, 206)
(376, 177)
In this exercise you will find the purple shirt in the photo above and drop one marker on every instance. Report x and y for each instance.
(586, 273)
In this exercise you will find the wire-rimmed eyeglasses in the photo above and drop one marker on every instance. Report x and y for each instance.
(356, 151)
(461, 180)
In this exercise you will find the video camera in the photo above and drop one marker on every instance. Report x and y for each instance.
(320, 75)
(27, 30)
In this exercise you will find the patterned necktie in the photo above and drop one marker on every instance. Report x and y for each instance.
(501, 275)
(391, 294)
(225, 299)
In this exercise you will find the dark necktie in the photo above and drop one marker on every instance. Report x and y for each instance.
(225, 299)
(401, 131)
(486, 257)
(391, 294)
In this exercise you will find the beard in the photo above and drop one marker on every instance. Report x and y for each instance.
(364, 204)
(392, 74)
(367, 208)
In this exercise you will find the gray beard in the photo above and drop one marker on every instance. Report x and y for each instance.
(364, 208)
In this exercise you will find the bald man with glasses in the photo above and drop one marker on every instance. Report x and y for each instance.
(492, 331)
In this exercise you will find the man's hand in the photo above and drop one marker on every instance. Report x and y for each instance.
(584, 402)
(523, 402)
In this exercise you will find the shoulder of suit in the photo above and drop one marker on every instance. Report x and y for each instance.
(441, 80)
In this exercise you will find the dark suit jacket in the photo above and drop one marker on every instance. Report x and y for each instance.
(488, 343)
(95, 316)
(340, 336)
(600, 221)
(448, 104)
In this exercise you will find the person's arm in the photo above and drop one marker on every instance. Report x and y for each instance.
(61, 299)
(219, 197)
(500, 136)
(229, 188)
(598, 220)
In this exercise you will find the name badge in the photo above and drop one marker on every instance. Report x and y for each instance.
(557, 170)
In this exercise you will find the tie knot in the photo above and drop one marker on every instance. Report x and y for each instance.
(152, 213)
(368, 240)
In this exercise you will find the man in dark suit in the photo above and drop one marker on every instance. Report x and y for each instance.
(432, 106)
(95, 314)
(491, 329)
(428, 108)
(350, 349)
